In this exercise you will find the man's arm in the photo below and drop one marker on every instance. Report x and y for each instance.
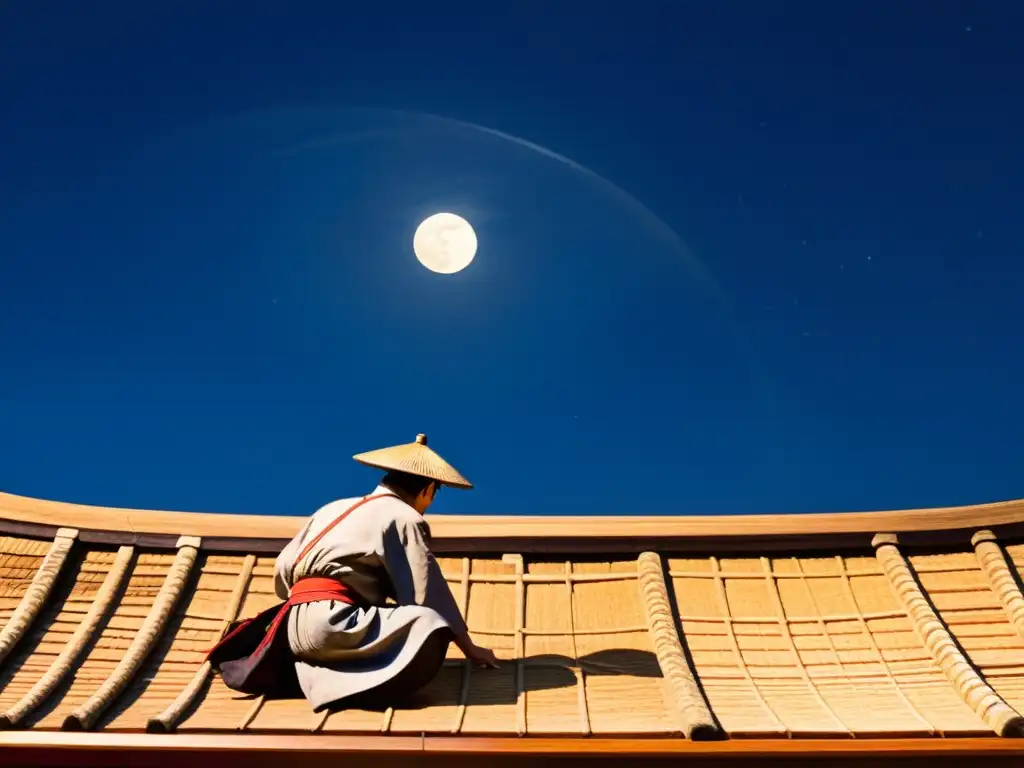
(418, 580)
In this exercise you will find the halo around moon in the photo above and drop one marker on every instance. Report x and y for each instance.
(444, 243)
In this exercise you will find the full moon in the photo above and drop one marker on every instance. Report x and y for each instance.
(444, 243)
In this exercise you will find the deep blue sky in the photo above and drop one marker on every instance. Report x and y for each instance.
(209, 301)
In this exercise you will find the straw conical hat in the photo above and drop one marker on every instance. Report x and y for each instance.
(416, 459)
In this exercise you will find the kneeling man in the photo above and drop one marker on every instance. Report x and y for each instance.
(352, 649)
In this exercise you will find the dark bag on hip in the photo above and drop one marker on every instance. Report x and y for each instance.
(248, 665)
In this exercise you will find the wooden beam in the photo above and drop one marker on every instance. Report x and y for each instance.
(224, 750)
(468, 528)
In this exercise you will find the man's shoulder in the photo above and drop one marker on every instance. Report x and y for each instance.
(336, 507)
(393, 509)
(385, 509)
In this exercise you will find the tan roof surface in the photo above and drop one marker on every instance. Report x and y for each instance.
(607, 627)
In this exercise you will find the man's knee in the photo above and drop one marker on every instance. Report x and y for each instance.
(429, 660)
(437, 643)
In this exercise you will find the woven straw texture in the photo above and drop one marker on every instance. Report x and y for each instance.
(32, 581)
(881, 643)
(415, 458)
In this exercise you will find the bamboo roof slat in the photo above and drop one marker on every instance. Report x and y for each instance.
(450, 695)
(40, 646)
(63, 664)
(892, 712)
(581, 683)
(550, 668)
(988, 705)
(539, 578)
(1000, 577)
(43, 576)
(769, 656)
(991, 643)
(143, 642)
(770, 724)
(490, 695)
(775, 597)
(434, 709)
(467, 667)
(616, 667)
(215, 706)
(695, 716)
(108, 645)
(282, 716)
(251, 712)
(519, 641)
(389, 716)
(354, 721)
(168, 682)
(319, 720)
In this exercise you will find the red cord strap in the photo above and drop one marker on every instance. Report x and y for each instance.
(306, 549)
(306, 590)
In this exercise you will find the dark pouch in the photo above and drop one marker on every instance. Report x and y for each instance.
(249, 665)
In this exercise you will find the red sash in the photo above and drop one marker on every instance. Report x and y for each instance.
(307, 590)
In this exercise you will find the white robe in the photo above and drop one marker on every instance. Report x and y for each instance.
(381, 550)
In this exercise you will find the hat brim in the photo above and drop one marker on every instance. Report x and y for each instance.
(414, 459)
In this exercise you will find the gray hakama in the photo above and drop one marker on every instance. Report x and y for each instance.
(381, 550)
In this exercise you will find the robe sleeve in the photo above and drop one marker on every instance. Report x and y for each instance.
(414, 571)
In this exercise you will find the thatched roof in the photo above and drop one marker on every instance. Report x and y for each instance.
(852, 628)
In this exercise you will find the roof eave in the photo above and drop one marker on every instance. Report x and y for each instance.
(486, 533)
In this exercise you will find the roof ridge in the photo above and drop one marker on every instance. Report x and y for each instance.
(26, 510)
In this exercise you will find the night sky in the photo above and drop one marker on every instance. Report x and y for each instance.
(735, 257)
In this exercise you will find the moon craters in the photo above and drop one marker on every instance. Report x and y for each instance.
(445, 243)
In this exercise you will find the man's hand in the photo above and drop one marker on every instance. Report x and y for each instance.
(482, 657)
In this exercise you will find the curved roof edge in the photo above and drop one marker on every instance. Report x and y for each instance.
(28, 747)
(476, 532)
